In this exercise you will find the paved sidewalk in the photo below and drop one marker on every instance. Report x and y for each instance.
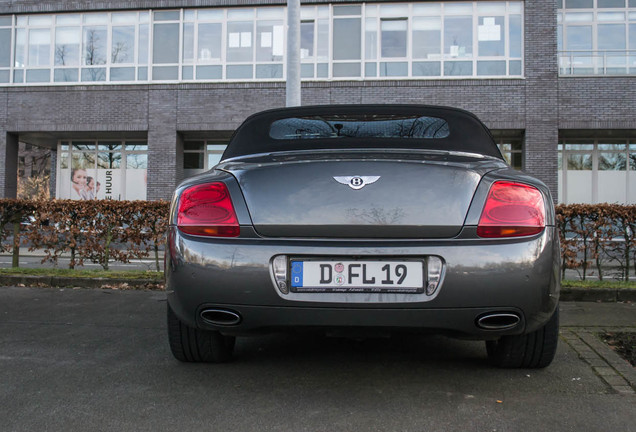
(581, 324)
(24, 251)
(591, 314)
(33, 259)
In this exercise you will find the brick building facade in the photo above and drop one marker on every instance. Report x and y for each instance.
(539, 107)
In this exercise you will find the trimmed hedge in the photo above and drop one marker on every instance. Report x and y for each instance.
(602, 236)
(598, 235)
(98, 230)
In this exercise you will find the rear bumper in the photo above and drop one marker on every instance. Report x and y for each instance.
(452, 321)
(520, 276)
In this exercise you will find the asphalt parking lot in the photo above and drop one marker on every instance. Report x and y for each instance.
(98, 360)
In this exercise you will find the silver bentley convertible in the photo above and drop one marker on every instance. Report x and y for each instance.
(373, 218)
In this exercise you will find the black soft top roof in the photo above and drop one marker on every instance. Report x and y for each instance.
(466, 133)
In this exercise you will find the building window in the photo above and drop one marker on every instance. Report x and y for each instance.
(165, 45)
(201, 155)
(214, 151)
(104, 169)
(74, 48)
(21, 167)
(597, 170)
(510, 143)
(314, 46)
(377, 41)
(597, 37)
(512, 151)
(393, 46)
(34, 172)
(6, 23)
(193, 155)
(347, 26)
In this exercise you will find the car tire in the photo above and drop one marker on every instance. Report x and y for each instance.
(533, 350)
(194, 345)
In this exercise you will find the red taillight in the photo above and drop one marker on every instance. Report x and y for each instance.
(512, 210)
(207, 210)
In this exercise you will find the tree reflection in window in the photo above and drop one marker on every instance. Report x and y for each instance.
(109, 156)
(612, 157)
(580, 162)
(94, 46)
(94, 53)
(67, 45)
(137, 161)
(612, 162)
(123, 41)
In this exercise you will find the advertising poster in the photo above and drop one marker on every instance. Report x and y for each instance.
(77, 184)
(136, 184)
(83, 183)
(109, 184)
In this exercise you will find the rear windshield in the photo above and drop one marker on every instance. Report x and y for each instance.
(347, 127)
(359, 126)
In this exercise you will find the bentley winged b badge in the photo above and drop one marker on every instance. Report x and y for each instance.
(356, 182)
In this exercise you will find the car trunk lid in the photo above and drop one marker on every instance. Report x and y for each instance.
(359, 198)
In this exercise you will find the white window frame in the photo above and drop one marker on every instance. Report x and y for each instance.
(124, 162)
(319, 14)
(568, 58)
(563, 153)
(205, 152)
(514, 150)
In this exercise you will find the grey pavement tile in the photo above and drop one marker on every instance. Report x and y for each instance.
(605, 371)
(615, 381)
(598, 362)
(587, 354)
(606, 363)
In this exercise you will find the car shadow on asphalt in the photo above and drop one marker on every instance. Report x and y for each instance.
(313, 348)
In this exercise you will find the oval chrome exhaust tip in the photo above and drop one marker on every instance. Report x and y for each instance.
(498, 321)
(220, 317)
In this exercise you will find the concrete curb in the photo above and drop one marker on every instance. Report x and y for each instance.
(58, 281)
(598, 294)
(607, 364)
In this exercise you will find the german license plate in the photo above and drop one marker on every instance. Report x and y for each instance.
(357, 276)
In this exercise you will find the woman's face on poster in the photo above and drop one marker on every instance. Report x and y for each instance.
(79, 177)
